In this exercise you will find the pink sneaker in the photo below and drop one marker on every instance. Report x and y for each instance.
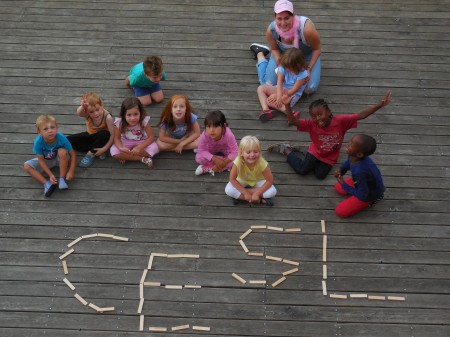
(203, 169)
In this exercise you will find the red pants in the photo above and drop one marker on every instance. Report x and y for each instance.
(349, 206)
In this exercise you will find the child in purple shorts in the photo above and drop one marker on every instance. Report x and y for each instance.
(144, 78)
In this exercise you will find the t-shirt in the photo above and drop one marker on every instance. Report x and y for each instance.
(248, 176)
(133, 132)
(138, 78)
(291, 78)
(49, 152)
(366, 177)
(208, 147)
(326, 142)
(180, 129)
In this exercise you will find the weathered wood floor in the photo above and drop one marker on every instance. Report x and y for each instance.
(51, 52)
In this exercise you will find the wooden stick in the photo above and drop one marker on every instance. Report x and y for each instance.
(150, 262)
(201, 328)
(240, 279)
(120, 238)
(192, 286)
(379, 298)
(358, 295)
(141, 304)
(294, 263)
(277, 282)
(191, 256)
(324, 288)
(180, 327)
(257, 281)
(396, 298)
(93, 306)
(324, 257)
(175, 256)
(159, 254)
(66, 270)
(243, 236)
(157, 329)
(258, 227)
(243, 246)
(141, 290)
(66, 254)
(103, 235)
(290, 271)
(81, 299)
(322, 223)
(278, 229)
(144, 275)
(141, 323)
(342, 297)
(324, 272)
(88, 236)
(70, 285)
(102, 310)
(289, 230)
(152, 284)
(255, 254)
(173, 286)
(75, 242)
(273, 258)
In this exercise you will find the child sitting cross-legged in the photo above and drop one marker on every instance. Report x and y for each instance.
(251, 178)
(365, 186)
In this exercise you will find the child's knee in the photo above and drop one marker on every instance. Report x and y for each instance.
(62, 154)
(145, 100)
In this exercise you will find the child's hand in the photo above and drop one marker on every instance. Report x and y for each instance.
(179, 148)
(337, 173)
(124, 149)
(273, 100)
(69, 175)
(256, 197)
(286, 99)
(247, 196)
(136, 150)
(84, 103)
(53, 179)
(387, 99)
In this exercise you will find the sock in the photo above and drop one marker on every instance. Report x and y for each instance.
(63, 184)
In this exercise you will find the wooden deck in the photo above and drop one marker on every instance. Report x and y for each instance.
(52, 52)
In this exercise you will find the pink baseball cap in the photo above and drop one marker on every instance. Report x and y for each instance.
(283, 6)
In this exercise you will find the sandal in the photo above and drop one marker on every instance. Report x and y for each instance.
(147, 161)
(267, 201)
(279, 148)
(266, 115)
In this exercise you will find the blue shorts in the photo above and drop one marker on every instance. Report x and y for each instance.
(140, 91)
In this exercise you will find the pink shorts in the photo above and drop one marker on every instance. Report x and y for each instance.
(152, 149)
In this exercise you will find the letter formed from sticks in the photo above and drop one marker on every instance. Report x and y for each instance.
(348, 295)
(65, 266)
(143, 283)
(283, 276)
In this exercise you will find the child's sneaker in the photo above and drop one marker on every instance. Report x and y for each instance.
(203, 169)
(259, 48)
(87, 161)
(62, 184)
(49, 188)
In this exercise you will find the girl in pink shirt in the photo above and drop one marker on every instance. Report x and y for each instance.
(217, 146)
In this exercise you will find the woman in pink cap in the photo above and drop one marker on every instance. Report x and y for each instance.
(288, 31)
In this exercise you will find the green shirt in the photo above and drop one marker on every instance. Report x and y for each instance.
(138, 78)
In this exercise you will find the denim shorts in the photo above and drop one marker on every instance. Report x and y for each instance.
(140, 91)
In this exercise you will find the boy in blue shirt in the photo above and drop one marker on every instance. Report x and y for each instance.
(365, 185)
(144, 78)
(52, 149)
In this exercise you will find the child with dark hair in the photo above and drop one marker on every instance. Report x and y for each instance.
(217, 147)
(134, 139)
(144, 78)
(292, 77)
(365, 185)
(326, 133)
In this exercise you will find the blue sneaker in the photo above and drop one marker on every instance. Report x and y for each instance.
(63, 184)
(49, 188)
(86, 161)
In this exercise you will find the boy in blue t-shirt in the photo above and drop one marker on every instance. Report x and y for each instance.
(144, 78)
(365, 185)
(52, 149)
